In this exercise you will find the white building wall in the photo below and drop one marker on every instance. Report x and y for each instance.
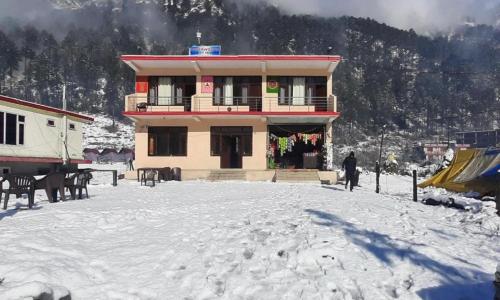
(41, 140)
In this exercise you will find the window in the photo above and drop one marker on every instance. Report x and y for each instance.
(239, 90)
(175, 90)
(243, 132)
(72, 126)
(167, 141)
(51, 123)
(300, 90)
(315, 88)
(2, 120)
(20, 119)
(11, 129)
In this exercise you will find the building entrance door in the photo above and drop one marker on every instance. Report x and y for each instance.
(230, 155)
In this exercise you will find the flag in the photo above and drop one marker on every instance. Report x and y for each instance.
(273, 85)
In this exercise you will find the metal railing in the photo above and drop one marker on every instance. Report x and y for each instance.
(231, 104)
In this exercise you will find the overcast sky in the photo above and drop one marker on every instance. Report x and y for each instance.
(422, 15)
(425, 16)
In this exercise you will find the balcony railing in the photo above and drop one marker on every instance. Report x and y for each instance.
(231, 104)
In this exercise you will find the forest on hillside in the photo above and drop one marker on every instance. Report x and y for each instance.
(414, 83)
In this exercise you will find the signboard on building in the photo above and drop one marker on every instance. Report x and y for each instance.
(207, 84)
(213, 50)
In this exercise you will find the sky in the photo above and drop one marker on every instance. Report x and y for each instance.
(425, 16)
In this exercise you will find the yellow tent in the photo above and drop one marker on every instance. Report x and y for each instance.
(444, 179)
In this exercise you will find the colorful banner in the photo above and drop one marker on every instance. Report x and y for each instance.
(207, 84)
(273, 86)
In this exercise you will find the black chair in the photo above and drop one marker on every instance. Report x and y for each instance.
(165, 174)
(142, 106)
(18, 185)
(176, 174)
(148, 175)
(51, 183)
(77, 182)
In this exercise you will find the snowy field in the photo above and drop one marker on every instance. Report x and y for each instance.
(228, 240)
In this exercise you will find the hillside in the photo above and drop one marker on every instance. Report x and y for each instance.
(101, 134)
(418, 85)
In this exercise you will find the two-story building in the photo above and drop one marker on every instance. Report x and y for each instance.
(249, 112)
(38, 139)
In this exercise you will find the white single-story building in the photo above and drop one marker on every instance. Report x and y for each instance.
(38, 139)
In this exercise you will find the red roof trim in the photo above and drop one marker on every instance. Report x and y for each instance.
(333, 58)
(41, 160)
(44, 107)
(232, 113)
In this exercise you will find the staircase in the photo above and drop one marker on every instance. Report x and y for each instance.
(227, 174)
(297, 176)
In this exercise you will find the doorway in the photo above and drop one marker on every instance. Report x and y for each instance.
(231, 143)
(231, 157)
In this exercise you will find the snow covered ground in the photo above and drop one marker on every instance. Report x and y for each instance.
(241, 240)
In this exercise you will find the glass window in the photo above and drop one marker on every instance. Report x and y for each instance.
(173, 90)
(51, 123)
(167, 141)
(293, 90)
(1, 127)
(11, 129)
(72, 126)
(21, 129)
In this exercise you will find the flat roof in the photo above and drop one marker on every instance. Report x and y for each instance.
(44, 107)
(327, 63)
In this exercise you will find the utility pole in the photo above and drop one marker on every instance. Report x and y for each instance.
(64, 132)
(381, 144)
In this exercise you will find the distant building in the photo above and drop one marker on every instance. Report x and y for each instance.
(91, 154)
(479, 139)
(37, 139)
(126, 154)
(435, 151)
(109, 155)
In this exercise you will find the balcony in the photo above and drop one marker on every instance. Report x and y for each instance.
(251, 105)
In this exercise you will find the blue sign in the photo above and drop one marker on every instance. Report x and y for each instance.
(205, 50)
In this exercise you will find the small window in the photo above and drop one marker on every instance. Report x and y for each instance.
(11, 129)
(72, 126)
(1, 127)
(51, 123)
(20, 120)
(4, 170)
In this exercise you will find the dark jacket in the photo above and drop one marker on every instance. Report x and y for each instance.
(349, 165)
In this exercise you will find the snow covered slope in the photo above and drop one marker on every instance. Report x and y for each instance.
(238, 240)
(100, 134)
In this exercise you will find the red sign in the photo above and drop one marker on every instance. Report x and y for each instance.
(141, 84)
(207, 84)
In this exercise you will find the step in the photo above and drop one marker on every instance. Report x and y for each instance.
(297, 176)
(224, 175)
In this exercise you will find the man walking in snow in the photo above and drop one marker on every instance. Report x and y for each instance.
(349, 165)
(130, 164)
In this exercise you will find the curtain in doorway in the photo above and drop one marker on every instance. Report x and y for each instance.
(228, 91)
(165, 91)
(299, 90)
